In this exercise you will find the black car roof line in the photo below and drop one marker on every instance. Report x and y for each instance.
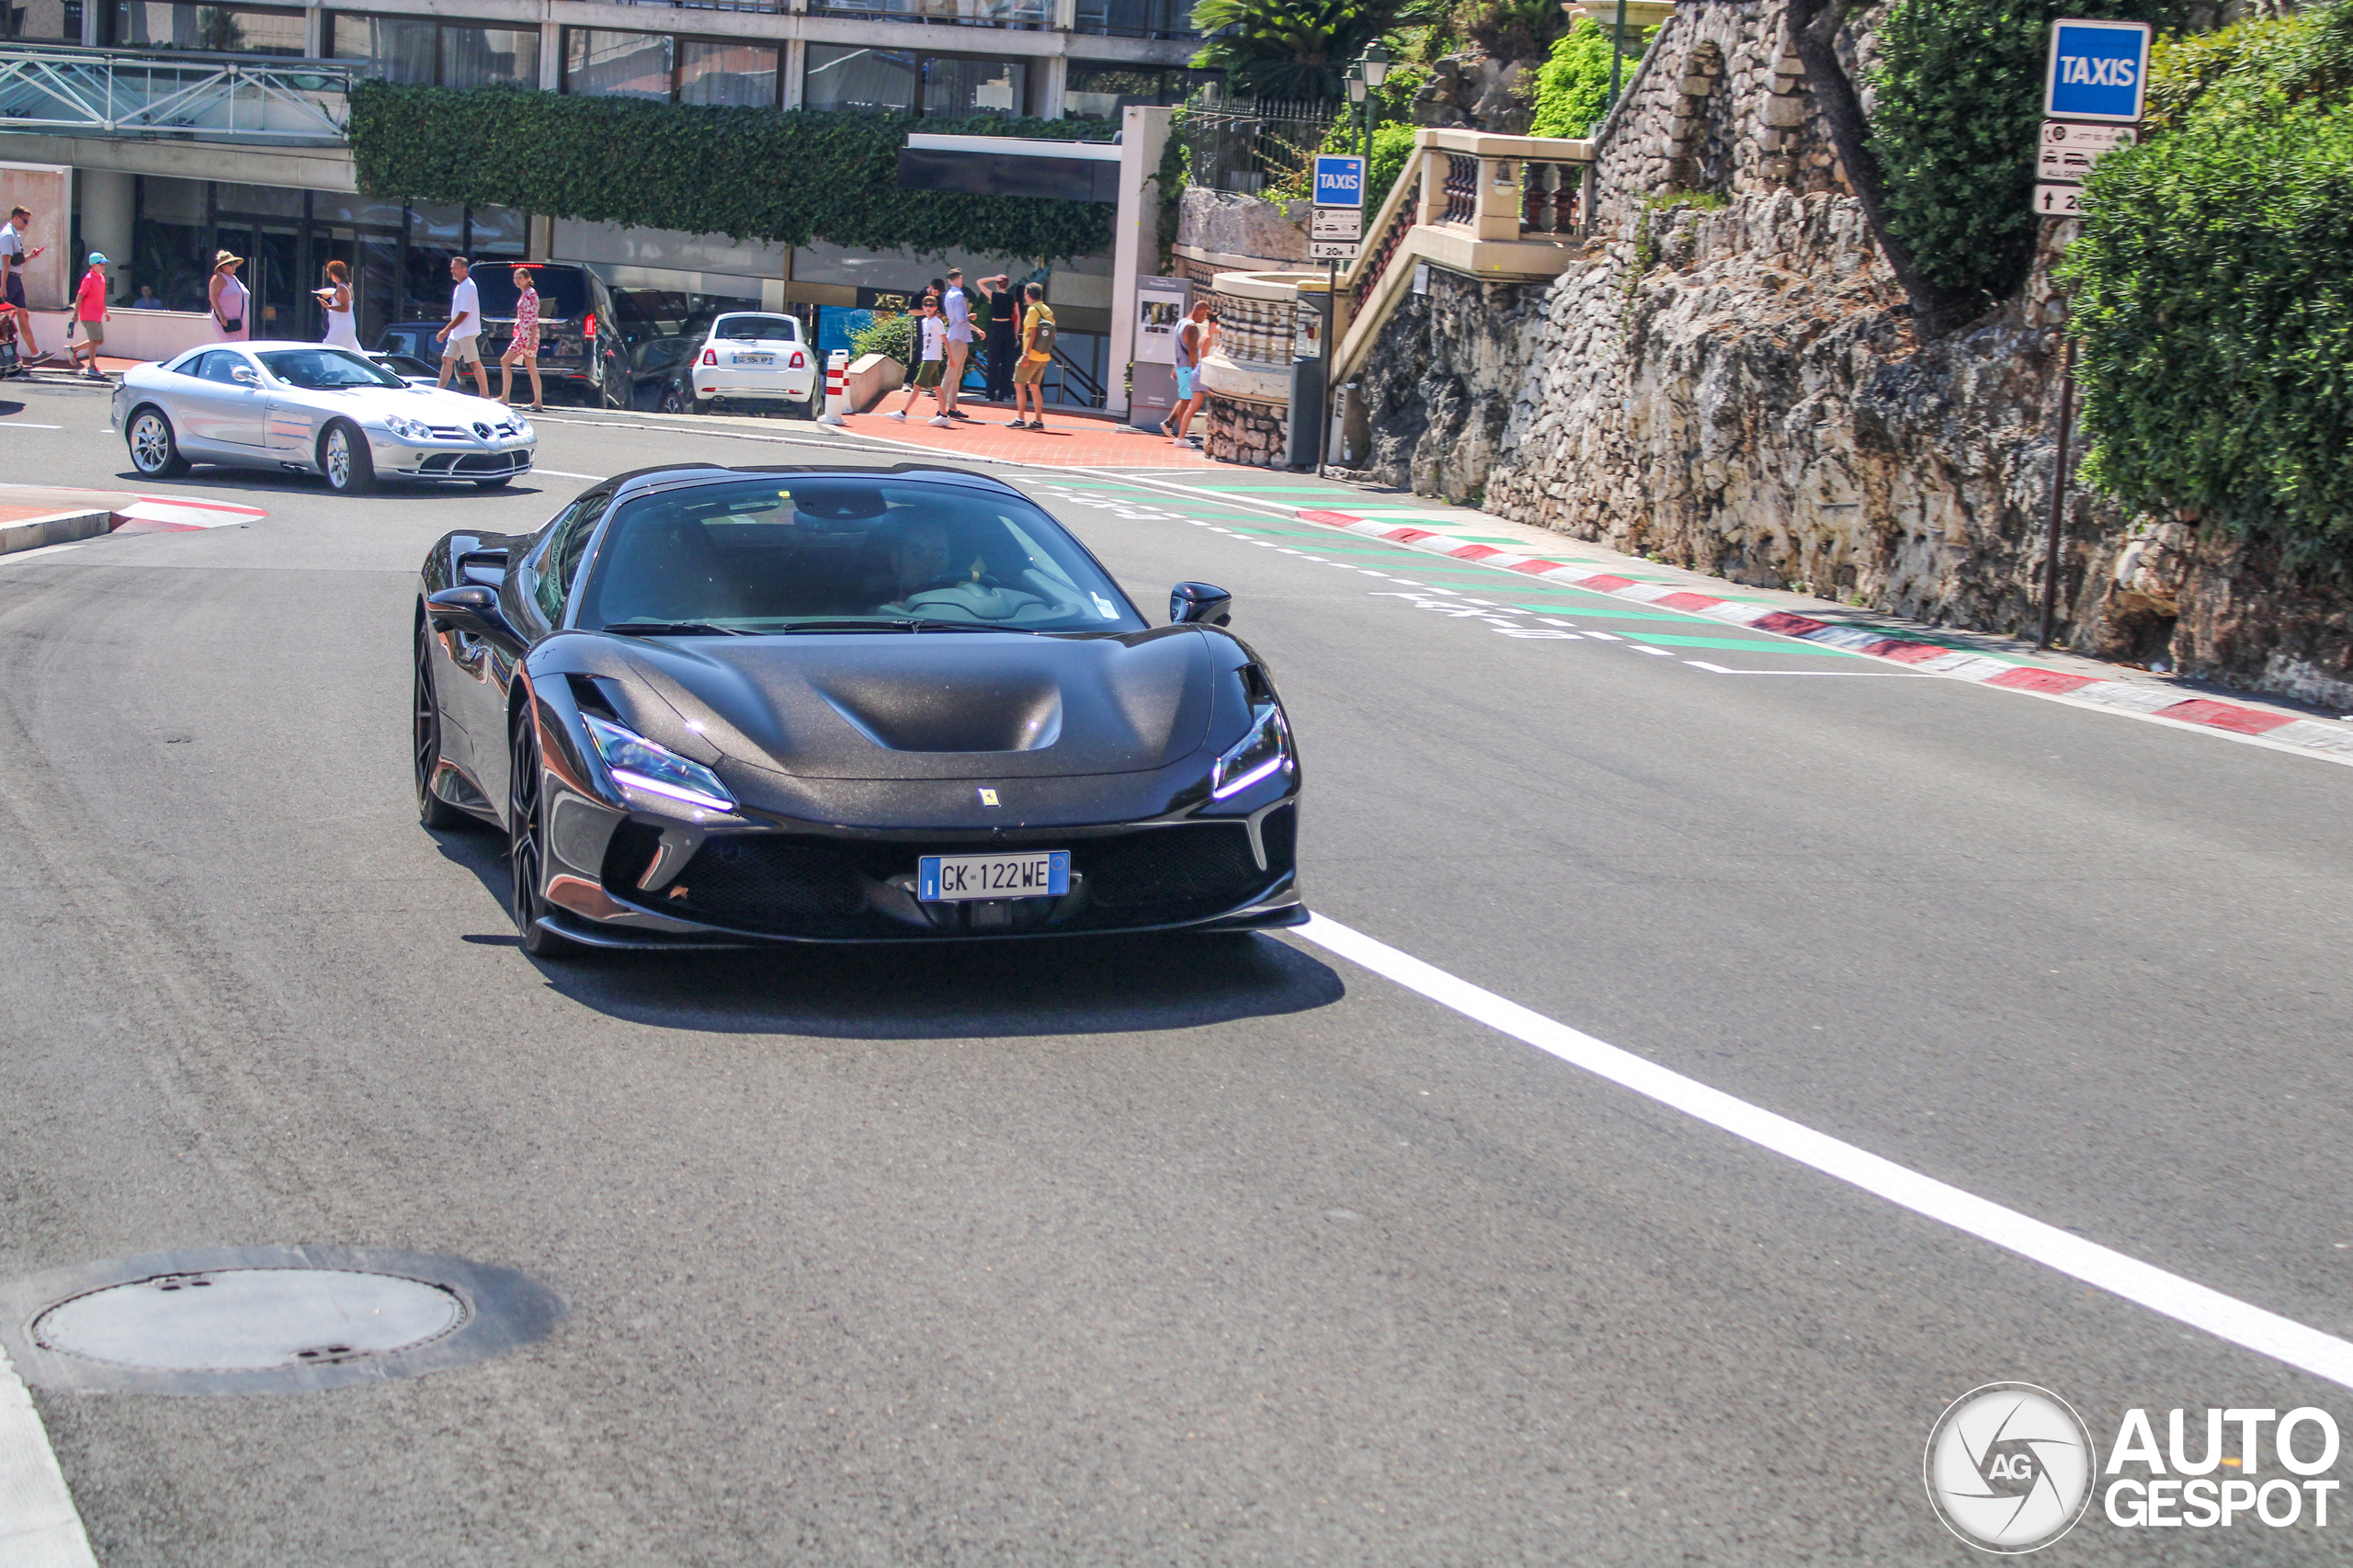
(682, 475)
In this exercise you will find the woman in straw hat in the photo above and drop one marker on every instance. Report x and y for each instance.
(231, 302)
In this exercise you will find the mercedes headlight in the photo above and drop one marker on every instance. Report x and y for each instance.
(1264, 751)
(407, 429)
(636, 763)
(523, 427)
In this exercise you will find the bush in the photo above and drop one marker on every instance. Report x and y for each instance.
(1573, 84)
(1958, 101)
(891, 333)
(2213, 302)
(1510, 29)
(792, 175)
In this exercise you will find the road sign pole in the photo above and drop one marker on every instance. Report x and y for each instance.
(2058, 497)
(1331, 325)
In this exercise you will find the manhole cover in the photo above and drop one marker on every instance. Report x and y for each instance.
(265, 1319)
(250, 1320)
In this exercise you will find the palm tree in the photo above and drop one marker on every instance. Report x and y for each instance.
(1287, 48)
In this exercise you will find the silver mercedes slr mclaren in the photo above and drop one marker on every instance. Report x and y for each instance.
(308, 408)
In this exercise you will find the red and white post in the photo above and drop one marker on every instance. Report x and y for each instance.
(836, 387)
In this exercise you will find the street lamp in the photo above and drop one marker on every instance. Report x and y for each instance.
(1356, 82)
(1370, 70)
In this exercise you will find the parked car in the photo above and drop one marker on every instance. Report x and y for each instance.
(314, 409)
(749, 357)
(653, 364)
(408, 368)
(579, 349)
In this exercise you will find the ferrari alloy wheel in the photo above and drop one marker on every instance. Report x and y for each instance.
(154, 450)
(345, 459)
(432, 811)
(525, 845)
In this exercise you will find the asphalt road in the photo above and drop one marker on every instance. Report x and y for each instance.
(1140, 1252)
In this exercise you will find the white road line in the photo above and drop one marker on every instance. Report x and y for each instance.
(2185, 1300)
(24, 424)
(1899, 674)
(39, 1525)
(558, 473)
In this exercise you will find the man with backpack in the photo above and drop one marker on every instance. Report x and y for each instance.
(1037, 353)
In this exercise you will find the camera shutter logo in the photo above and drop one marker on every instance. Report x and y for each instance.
(2010, 1467)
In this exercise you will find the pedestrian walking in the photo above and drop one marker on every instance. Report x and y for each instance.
(229, 298)
(343, 331)
(931, 355)
(1195, 333)
(90, 315)
(1005, 334)
(525, 345)
(1037, 353)
(956, 309)
(13, 257)
(462, 339)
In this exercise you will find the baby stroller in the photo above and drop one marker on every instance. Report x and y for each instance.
(11, 362)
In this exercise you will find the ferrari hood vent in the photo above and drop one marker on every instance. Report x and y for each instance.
(942, 706)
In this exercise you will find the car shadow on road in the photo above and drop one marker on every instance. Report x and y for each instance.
(929, 991)
(246, 481)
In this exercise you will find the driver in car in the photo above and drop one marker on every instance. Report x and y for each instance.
(919, 560)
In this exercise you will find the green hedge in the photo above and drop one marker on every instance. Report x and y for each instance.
(790, 177)
(2212, 296)
(1957, 99)
(1573, 84)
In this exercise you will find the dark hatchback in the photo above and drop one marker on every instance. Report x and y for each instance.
(713, 707)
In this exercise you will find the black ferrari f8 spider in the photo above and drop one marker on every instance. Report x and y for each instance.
(720, 706)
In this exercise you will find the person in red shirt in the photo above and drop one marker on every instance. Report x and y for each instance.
(90, 315)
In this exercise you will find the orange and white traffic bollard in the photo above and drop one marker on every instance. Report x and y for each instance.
(836, 387)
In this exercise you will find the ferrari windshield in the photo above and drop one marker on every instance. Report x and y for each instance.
(782, 551)
(326, 369)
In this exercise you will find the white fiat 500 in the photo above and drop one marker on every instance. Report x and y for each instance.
(752, 356)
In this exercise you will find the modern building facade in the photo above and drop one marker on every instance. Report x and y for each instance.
(167, 196)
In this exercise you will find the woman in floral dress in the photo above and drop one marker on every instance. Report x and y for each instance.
(524, 345)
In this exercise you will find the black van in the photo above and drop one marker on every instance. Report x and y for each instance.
(580, 334)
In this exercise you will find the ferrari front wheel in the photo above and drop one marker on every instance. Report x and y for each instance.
(432, 811)
(527, 846)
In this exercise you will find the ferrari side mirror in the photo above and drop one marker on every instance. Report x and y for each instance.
(1199, 603)
(471, 609)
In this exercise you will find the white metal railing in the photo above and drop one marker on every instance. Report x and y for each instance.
(194, 97)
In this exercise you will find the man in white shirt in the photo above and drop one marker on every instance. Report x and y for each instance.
(957, 312)
(13, 257)
(462, 339)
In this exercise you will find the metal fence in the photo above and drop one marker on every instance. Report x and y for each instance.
(107, 93)
(1251, 144)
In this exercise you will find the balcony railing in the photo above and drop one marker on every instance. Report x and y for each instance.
(194, 97)
(1135, 19)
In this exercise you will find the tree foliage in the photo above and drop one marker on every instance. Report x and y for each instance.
(790, 177)
(1573, 84)
(2212, 301)
(1957, 99)
(1292, 49)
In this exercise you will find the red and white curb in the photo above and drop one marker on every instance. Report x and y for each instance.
(178, 514)
(2334, 740)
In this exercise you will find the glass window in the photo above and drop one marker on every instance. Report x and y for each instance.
(167, 24)
(560, 557)
(713, 72)
(870, 80)
(326, 369)
(222, 365)
(959, 89)
(764, 554)
(562, 289)
(617, 65)
(261, 200)
(397, 49)
(476, 56)
(1100, 92)
(42, 21)
(497, 234)
(756, 329)
(1136, 18)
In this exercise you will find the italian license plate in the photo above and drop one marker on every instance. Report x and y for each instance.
(756, 358)
(1038, 874)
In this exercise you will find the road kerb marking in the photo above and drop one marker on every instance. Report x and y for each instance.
(2184, 1300)
(40, 1527)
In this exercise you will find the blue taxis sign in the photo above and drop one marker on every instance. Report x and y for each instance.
(1339, 181)
(2098, 70)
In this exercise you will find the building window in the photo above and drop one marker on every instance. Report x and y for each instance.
(419, 49)
(41, 21)
(618, 66)
(870, 81)
(222, 29)
(895, 81)
(1100, 92)
(969, 13)
(1135, 19)
(744, 75)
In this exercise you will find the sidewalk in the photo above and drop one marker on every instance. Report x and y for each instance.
(1067, 441)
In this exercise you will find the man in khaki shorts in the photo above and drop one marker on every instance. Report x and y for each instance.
(1037, 353)
(462, 339)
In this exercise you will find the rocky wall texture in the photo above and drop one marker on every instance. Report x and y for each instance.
(1726, 377)
(1239, 431)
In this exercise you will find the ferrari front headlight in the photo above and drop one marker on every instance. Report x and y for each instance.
(636, 763)
(1264, 751)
